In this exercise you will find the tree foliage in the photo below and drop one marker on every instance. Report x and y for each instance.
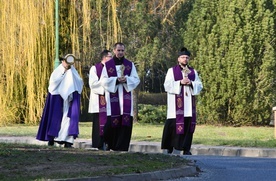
(233, 44)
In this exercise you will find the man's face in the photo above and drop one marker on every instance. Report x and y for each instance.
(183, 59)
(119, 51)
(65, 65)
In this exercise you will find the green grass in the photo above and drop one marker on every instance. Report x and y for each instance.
(21, 162)
(206, 135)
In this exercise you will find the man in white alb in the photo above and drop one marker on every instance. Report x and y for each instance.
(182, 83)
(119, 79)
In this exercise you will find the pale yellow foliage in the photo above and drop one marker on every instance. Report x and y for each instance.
(26, 48)
(27, 51)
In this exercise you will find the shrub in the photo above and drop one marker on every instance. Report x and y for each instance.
(152, 114)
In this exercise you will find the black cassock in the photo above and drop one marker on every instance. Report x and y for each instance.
(117, 138)
(177, 141)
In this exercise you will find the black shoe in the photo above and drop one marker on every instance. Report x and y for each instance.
(60, 142)
(187, 153)
(68, 145)
(170, 150)
(51, 143)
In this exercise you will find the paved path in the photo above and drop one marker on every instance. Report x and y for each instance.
(155, 147)
(229, 168)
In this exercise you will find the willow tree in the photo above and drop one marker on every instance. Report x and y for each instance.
(27, 50)
(26, 47)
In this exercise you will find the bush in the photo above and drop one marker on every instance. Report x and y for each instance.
(152, 114)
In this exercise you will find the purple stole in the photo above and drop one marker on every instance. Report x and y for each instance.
(179, 102)
(116, 118)
(102, 102)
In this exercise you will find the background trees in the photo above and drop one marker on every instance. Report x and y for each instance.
(229, 39)
(232, 45)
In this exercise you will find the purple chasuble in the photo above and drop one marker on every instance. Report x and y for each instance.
(179, 102)
(116, 118)
(102, 102)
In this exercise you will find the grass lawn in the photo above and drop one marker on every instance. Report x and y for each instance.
(21, 162)
(204, 134)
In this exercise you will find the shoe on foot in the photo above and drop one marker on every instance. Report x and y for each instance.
(51, 143)
(170, 150)
(187, 153)
(68, 145)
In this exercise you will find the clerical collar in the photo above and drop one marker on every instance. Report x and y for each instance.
(118, 61)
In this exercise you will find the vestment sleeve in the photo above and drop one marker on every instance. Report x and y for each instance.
(133, 80)
(94, 82)
(56, 77)
(197, 84)
(171, 86)
(108, 83)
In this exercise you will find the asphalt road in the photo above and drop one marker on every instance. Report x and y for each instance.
(225, 168)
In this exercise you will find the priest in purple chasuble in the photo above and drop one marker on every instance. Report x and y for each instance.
(60, 118)
(119, 78)
(97, 102)
(182, 84)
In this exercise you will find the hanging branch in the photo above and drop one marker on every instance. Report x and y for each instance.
(169, 12)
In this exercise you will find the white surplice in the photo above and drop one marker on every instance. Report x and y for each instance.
(173, 87)
(109, 84)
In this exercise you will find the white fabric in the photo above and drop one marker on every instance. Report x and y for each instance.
(95, 90)
(109, 84)
(63, 132)
(173, 87)
(64, 84)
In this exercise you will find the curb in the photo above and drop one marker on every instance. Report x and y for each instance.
(155, 147)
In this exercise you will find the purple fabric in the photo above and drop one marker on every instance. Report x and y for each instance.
(179, 106)
(127, 96)
(193, 123)
(114, 97)
(179, 102)
(51, 118)
(127, 109)
(102, 102)
(99, 67)
(74, 115)
(102, 113)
